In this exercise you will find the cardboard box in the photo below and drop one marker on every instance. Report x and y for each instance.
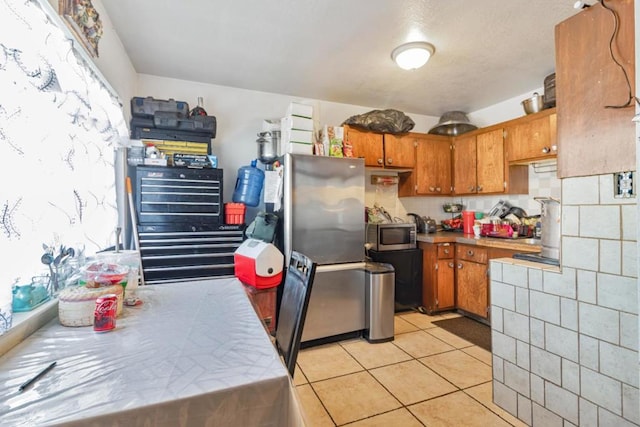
(297, 148)
(300, 110)
(295, 122)
(299, 136)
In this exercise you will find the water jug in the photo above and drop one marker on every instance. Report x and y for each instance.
(248, 185)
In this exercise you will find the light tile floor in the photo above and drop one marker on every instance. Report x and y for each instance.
(424, 377)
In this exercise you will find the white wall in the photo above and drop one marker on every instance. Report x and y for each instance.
(240, 114)
(112, 61)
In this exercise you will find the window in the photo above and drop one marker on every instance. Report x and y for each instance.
(59, 129)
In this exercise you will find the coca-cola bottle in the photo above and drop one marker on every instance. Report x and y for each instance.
(199, 110)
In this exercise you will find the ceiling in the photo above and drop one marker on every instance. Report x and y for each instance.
(487, 51)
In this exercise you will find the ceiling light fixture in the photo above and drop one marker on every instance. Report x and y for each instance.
(580, 5)
(411, 56)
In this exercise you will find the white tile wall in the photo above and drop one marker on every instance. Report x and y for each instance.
(582, 331)
(544, 417)
(611, 256)
(562, 402)
(601, 222)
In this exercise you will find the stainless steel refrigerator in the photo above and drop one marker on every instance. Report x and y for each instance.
(324, 219)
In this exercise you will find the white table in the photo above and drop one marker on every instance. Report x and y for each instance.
(194, 354)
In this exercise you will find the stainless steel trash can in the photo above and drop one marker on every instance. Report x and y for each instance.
(379, 302)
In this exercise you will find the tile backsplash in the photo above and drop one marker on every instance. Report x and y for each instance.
(542, 183)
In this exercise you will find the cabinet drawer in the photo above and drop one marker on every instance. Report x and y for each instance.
(445, 250)
(173, 252)
(178, 195)
(471, 253)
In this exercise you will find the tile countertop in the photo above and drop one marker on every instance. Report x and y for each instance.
(522, 245)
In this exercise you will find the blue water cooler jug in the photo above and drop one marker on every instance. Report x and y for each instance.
(249, 185)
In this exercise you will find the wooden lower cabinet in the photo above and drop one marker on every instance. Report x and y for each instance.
(472, 280)
(438, 277)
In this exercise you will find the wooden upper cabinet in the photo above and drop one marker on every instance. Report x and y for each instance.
(433, 165)
(465, 161)
(594, 139)
(532, 138)
(490, 168)
(382, 150)
(366, 145)
(399, 150)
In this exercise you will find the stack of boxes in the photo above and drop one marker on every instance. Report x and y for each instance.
(296, 129)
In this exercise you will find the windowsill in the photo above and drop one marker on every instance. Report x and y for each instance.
(26, 323)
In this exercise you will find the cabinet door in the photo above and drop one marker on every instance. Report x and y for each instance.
(445, 292)
(532, 139)
(471, 281)
(593, 139)
(399, 151)
(464, 165)
(491, 165)
(433, 166)
(366, 145)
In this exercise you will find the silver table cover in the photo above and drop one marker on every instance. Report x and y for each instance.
(194, 354)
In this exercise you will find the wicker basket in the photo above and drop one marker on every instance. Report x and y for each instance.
(76, 304)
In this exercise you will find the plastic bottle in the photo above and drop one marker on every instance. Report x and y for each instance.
(249, 185)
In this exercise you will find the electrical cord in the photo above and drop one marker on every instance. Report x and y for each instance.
(616, 27)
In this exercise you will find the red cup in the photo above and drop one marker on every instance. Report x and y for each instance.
(468, 217)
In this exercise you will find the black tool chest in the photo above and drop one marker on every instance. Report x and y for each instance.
(180, 224)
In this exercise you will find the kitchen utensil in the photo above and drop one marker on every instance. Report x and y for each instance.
(550, 220)
(118, 231)
(421, 226)
(268, 146)
(453, 123)
(533, 104)
(550, 91)
(134, 226)
(430, 224)
(519, 212)
(500, 209)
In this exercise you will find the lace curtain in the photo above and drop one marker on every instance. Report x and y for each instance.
(59, 129)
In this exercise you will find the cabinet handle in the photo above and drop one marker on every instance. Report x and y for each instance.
(451, 264)
(389, 161)
(470, 252)
(554, 148)
(446, 251)
(459, 266)
(479, 188)
(438, 189)
(472, 189)
(380, 161)
(546, 150)
(432, 189)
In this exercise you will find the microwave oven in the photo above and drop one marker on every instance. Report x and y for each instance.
(390, 237)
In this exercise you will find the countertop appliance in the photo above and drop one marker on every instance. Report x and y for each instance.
(323, 206)
(424, 224)
(421, 226)
(393, 236)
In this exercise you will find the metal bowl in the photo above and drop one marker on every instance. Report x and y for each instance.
(453, 123)
(533, 104)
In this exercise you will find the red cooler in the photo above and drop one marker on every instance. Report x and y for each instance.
(258, 264)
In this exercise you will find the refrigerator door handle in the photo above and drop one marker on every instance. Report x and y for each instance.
(340, 267)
